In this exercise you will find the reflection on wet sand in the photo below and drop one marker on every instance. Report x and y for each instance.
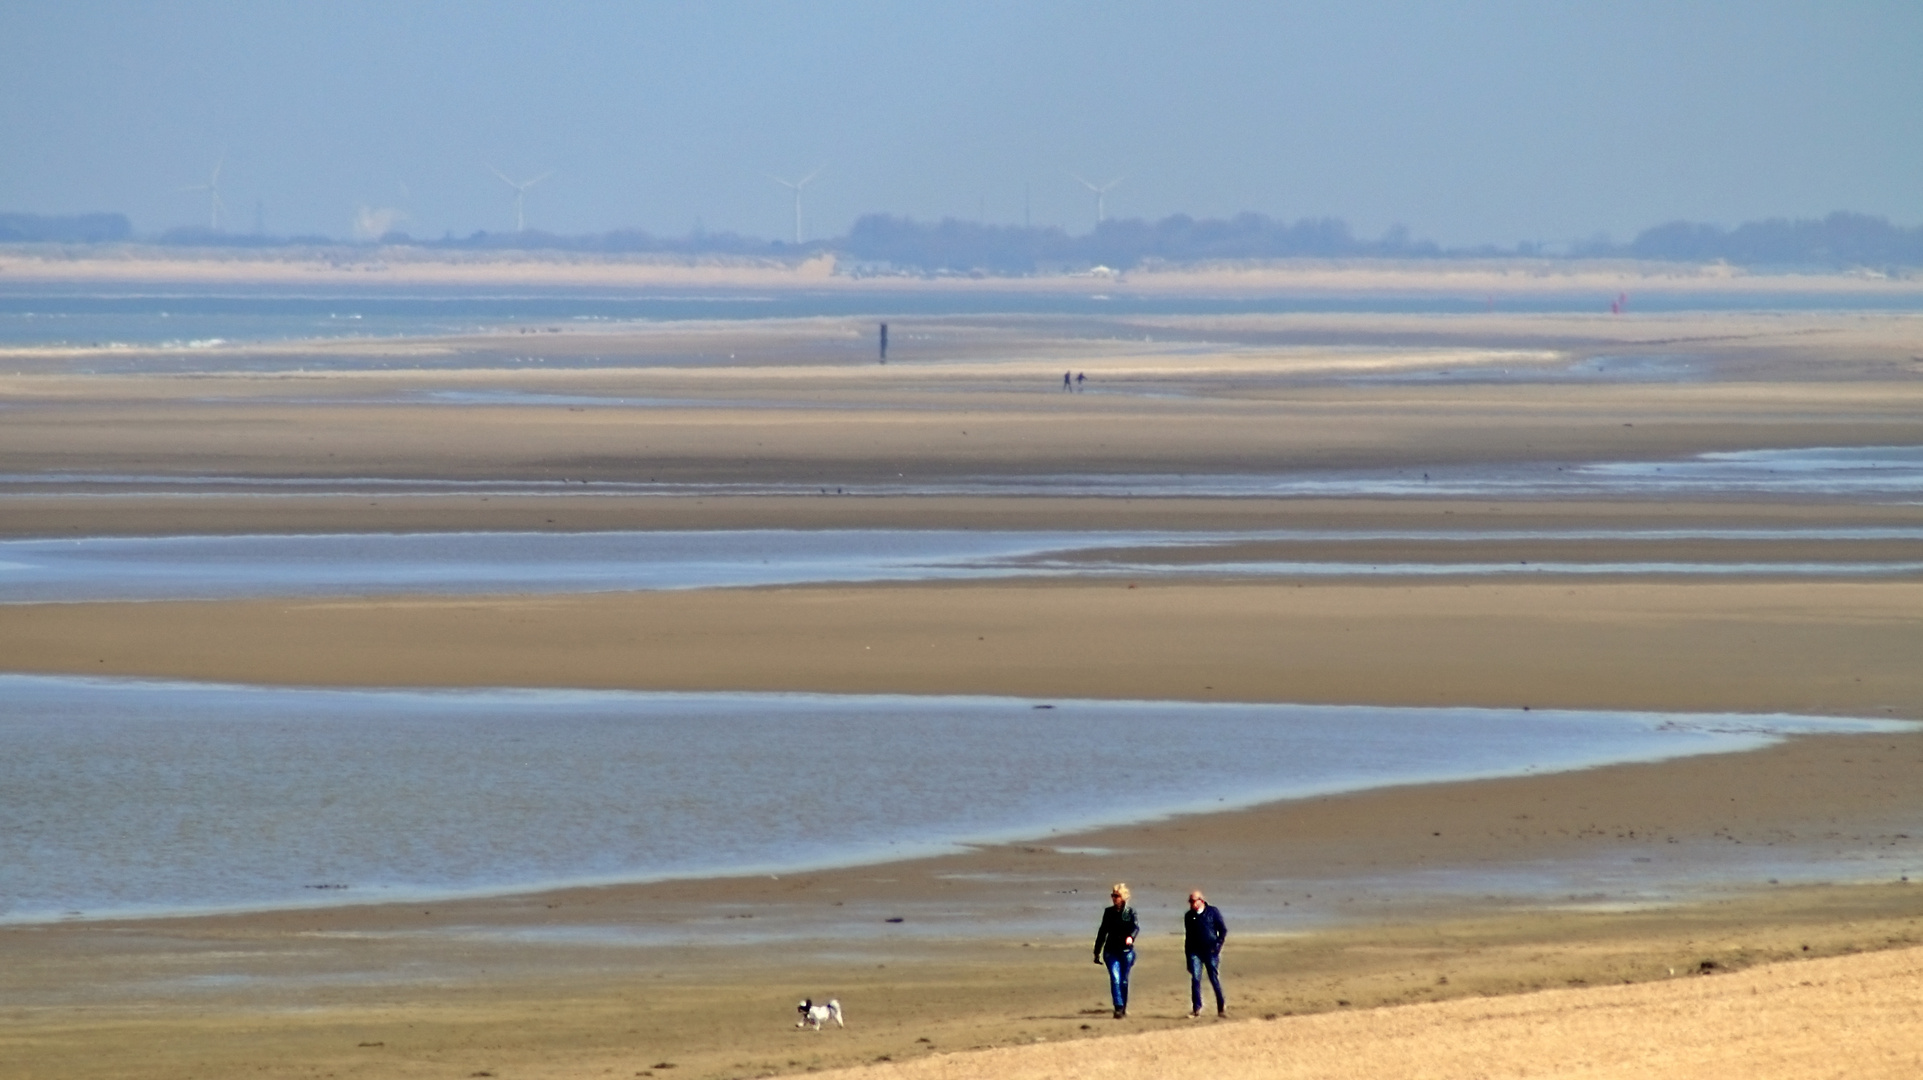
(208, 567)
(1841, 473)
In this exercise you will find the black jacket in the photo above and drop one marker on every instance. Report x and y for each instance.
(1203, 931)
(1118, 926)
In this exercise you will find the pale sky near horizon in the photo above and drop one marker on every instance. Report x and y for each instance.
(1479, 121)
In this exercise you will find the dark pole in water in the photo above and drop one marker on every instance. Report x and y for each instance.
(884, 343)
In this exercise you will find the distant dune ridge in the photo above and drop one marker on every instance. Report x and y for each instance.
(1839, 241)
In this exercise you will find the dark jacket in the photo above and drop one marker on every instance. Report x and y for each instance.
(1203, 931)
(1118, 926)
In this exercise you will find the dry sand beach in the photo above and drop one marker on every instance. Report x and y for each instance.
(1403, 938)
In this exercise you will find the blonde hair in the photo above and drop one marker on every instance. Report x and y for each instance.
(1120, 890)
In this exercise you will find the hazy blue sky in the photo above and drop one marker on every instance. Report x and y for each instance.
(1474, 121)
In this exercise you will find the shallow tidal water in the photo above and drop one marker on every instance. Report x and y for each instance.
(194, 319)
(128, 797)
(215, 567)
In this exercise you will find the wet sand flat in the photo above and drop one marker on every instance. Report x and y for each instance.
(1818, 647)
(1022, 433)
(592, 982)
(669, 1014)
(214, 513)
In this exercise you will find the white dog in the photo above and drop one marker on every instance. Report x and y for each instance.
(813, 1015)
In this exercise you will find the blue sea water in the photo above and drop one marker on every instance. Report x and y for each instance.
(183, 316)
(125, 797)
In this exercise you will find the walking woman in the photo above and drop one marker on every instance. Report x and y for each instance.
(1115, 945)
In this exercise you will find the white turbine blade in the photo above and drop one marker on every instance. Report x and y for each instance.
(1112, 183)
(1085, 183)
(784, 183)
(215, 178)
(504, 178)
(803, 182)
(537, 180)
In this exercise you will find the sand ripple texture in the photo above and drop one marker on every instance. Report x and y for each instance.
(1854, 1016)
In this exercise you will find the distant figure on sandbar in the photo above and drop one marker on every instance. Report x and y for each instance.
(1115, 945)
(1068, 380)
(1080, 378)
(1203, 933)
(884, 343)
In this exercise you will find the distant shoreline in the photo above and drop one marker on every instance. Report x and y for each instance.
(402, 266)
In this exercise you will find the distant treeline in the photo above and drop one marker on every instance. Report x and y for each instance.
(968, 245)
(881, 243)
(64, 229)
(1839, 240)
(615, 242)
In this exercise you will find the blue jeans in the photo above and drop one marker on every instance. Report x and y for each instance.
(1212, 965)
(1118, 965)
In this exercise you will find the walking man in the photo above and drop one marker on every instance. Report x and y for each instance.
(1115, 945)
(1203, 935)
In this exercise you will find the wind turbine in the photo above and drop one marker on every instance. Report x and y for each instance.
(1101, 195)
(796, 186)
(520, 195)
(212, 188)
